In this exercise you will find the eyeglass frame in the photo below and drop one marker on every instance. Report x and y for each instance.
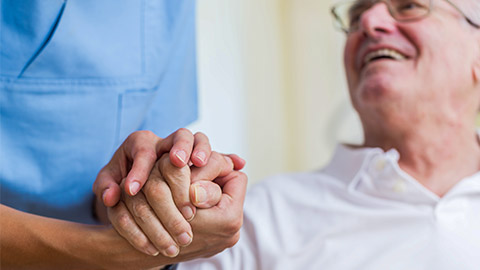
(346, 29)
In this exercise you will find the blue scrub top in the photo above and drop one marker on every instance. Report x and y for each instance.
(78, 76)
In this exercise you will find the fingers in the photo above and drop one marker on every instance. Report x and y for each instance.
(143, 162)
(201, 151)
(227, 215)
(137, 155)
(106, 187)
(234, 187)
(238, 162)
(179, 144)
(178, 180)
(124, 224)
(203, 192)
(185, 147)
(159, 197)
(140, 149)
(218, 165)
(154, 230)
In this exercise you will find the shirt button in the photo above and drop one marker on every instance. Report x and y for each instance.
(399, 186)
(380, 164)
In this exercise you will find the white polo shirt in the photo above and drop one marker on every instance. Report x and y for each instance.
(360, 212)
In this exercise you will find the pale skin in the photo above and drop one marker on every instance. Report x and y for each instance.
(425, 106)
(31, 241)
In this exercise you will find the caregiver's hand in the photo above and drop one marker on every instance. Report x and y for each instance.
(135, 158)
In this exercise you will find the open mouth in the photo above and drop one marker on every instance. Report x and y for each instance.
(383, 54)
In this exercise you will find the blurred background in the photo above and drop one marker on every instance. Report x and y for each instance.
(271, 83)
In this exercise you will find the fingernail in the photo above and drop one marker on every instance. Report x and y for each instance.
(172, 251)
(202, 156)
(187, 213)
(181, 155)
(134, 187)
(200, 194)
(184, 239)
(152, 251)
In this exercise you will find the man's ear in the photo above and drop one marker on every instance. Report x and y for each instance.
(476, 63)
(476, 70)
(475, 74)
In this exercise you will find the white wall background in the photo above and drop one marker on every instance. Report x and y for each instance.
(271, 83)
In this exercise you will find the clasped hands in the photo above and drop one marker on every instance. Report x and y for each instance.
(173, 195)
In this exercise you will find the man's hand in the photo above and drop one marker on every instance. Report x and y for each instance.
(151, 220)
(218, 227)
(135, 158)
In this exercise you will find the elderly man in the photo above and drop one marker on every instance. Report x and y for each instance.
(409, 197)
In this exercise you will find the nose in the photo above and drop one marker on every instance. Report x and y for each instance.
(377, 20)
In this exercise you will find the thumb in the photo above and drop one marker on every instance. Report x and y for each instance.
(205, 194)
(106, 188)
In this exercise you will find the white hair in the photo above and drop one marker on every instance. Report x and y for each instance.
(471, 8)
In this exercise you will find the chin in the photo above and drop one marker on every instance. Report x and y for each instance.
(378, 90)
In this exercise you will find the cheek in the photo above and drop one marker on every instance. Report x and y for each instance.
(443, 60)
(349, 62)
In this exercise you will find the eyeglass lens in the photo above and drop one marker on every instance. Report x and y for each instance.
(401, 10)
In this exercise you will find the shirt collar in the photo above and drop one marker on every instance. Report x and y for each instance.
(376, 173)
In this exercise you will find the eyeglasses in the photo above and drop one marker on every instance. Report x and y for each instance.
(347, 14)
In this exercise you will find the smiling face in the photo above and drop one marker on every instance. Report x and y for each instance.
(407, 70)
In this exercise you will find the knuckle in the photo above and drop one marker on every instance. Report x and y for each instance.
(217, 157)
(164, 162)
(199, 133)
(142, 133)
(184, 131)
(201, 136)
(156, 192)
(141, 209)
(148, 153)
(240, 174)
(101, 179)
(156, 189)
(216, 160)
(179, 174)
(134, 135)
(177, 225)
(164, 165)
(103, 172)
(174, 175)
(122, 221)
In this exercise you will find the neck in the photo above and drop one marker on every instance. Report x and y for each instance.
(437, 157)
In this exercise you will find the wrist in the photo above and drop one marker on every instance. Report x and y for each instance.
(112, 251)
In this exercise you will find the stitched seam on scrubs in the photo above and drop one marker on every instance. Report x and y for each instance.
(81, 82)
(46, 41)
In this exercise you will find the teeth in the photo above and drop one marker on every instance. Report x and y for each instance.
(383, 53)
